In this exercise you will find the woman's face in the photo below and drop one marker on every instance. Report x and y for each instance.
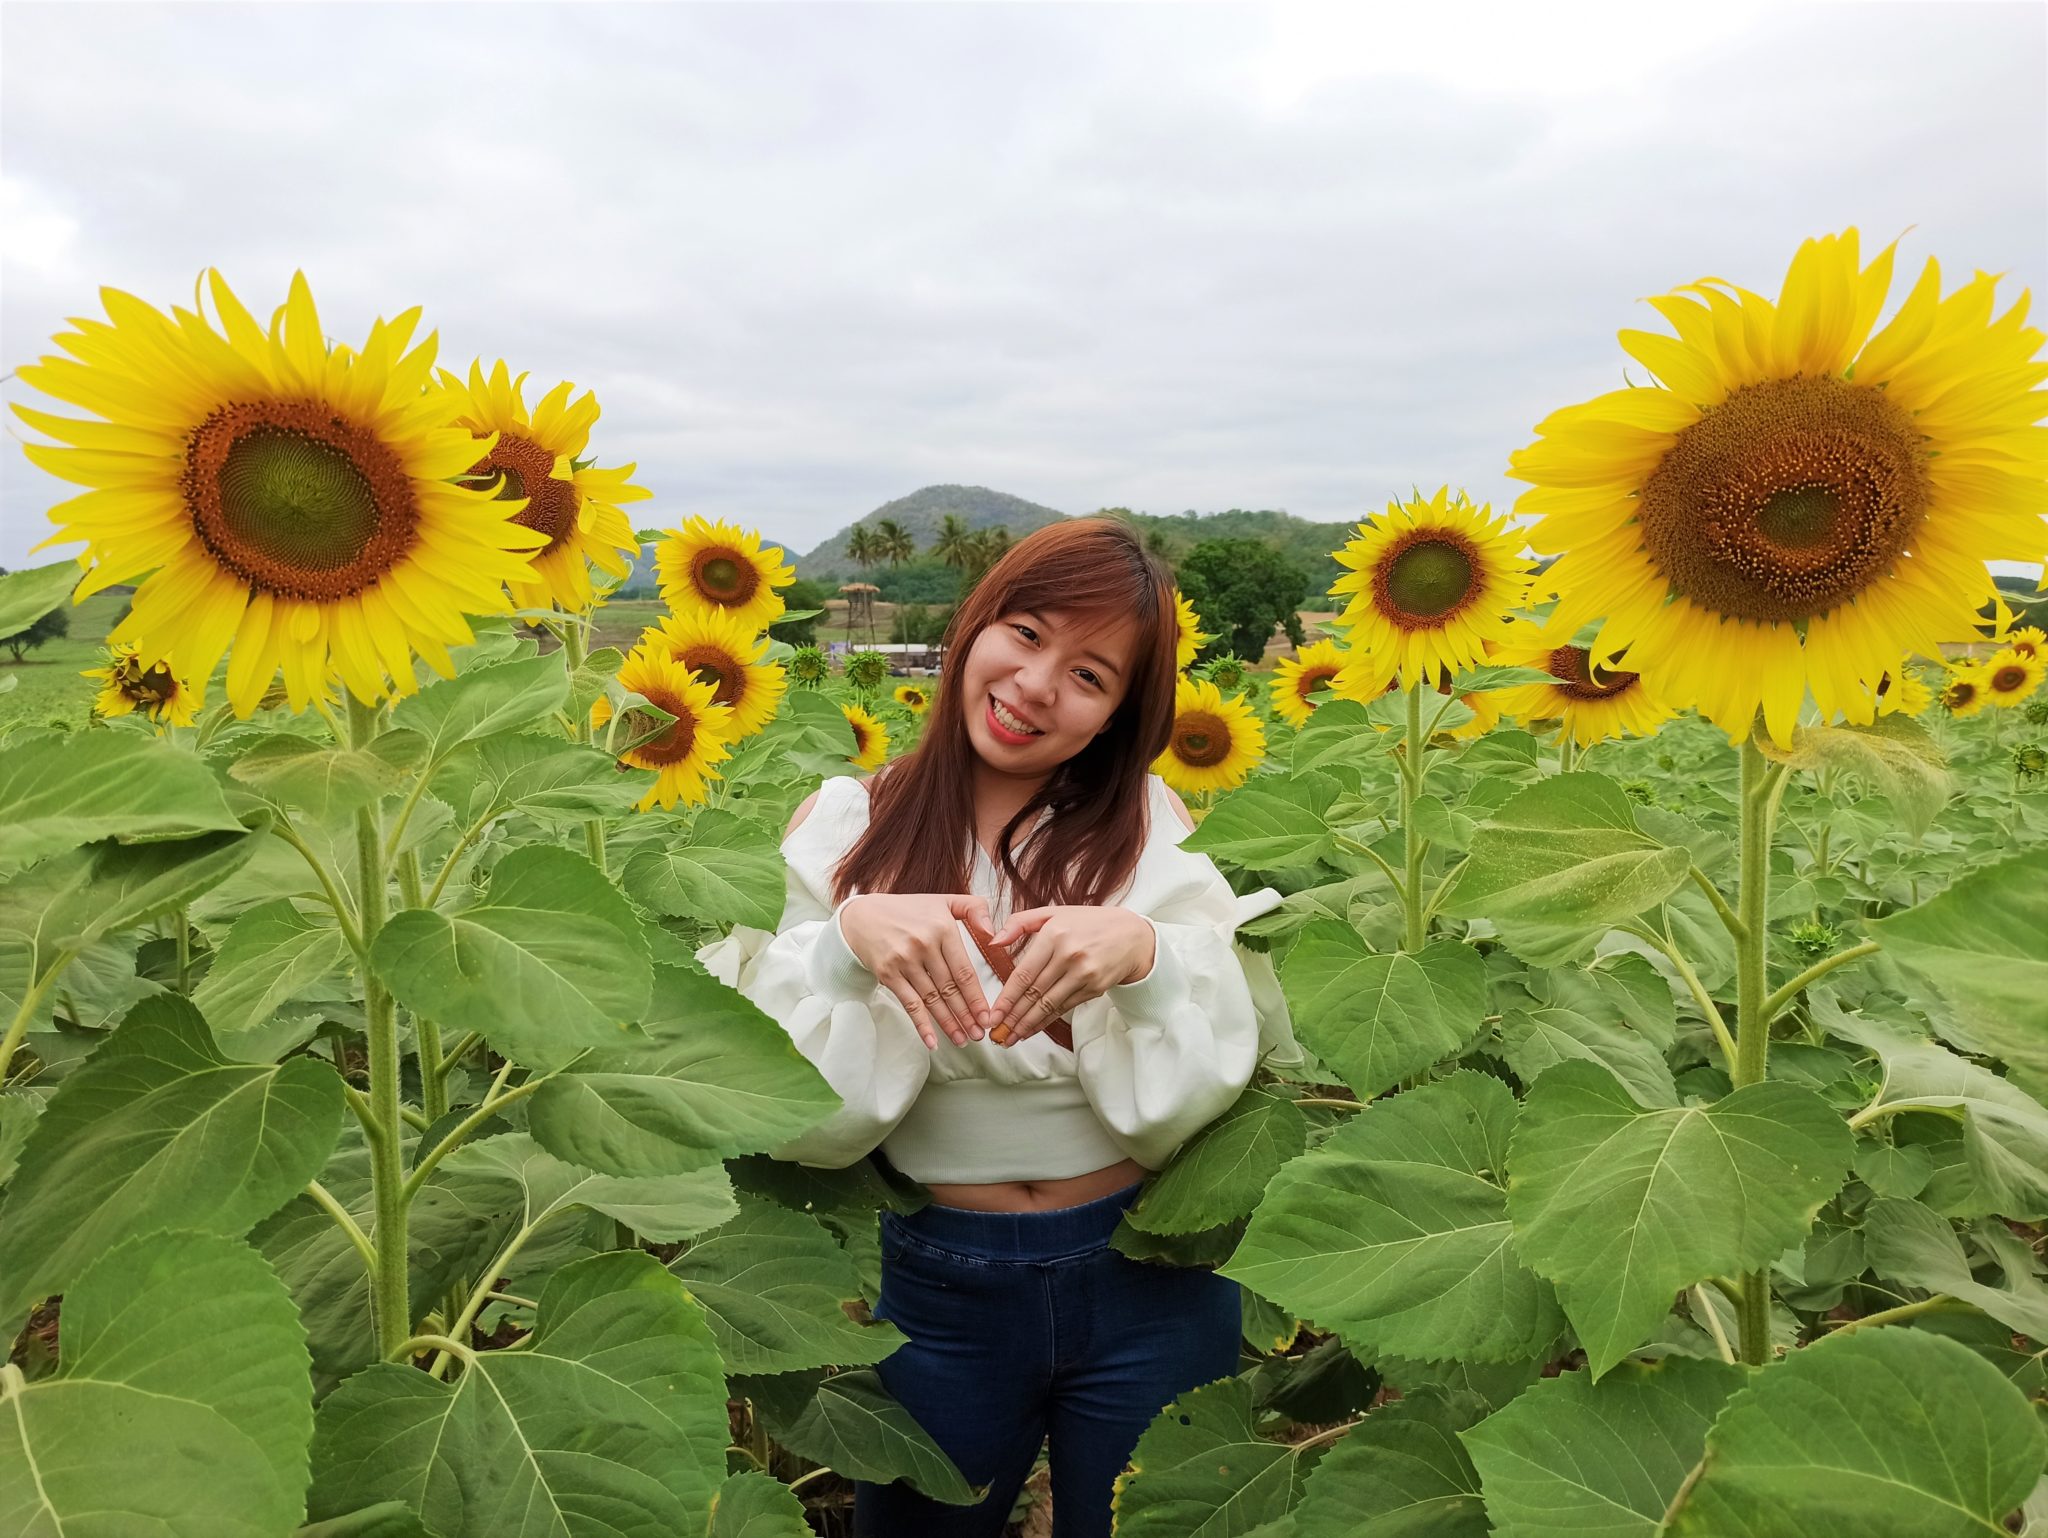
(1059, 674)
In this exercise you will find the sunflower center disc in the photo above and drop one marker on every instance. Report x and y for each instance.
(295, 500)
(716, 669)
(1306, 684)
(2008, 680)
(1578, 679)
(1201, 741)
(724, 578)
(1788, 499)
(529, 472)
(1427, 578)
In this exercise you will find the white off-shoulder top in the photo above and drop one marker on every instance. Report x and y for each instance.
(1154, 1061)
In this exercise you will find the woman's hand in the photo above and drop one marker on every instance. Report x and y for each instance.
(1074, 953)
(911, 942)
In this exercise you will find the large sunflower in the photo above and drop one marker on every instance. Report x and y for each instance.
(726, 654)
(1296, 678)
(870, 737)
(700, 736)
(1967, 690)
(2027, 640)
(273, 493)
(1801, 502)
(1192, 637)
(1431, 583)
(1592, 700)
(537, 457)
(1216, 742)
(707, 565)
(158, 691)
(2010, 677)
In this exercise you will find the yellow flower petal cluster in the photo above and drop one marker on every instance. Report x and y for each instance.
(1968, 689)
(157, 690)
(1192, 637)
(2011, 676)
(538, 456)
(725, 653)
(914, 698)
(1430, 586)
(1215, 742)
(1592, 701)
(1297, 679)
(1804, 497)
(1903, 692)
(291, 500)
(715, 565)
(870, 737)
(683, 755)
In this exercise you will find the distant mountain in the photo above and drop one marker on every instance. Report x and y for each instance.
(921, 513)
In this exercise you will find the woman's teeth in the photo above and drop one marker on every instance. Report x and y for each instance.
(1010, 723)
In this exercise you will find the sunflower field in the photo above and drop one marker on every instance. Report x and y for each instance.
(1665, 937)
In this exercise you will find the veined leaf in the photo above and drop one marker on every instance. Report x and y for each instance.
(59, 790)
(730, 868)
(1399, 1473)
(1200, 1465)
(616, 1405)
(754, 1505)
(1376, 1018)
(27, 595)
(1907, 1242)
(1893, 755)
(499, 697)
(324, 780)
(542, 776)
(1885, 1433)
(1566, 852)
(158, 1131)
(1275, 822)
(663, 1208)
(1394, 1232)
(551, 962)
(1226, 1169)
(1981, 941)
(1572, 1458)
(180, 1405)
(851, 1423)
(1337, 734)
(771, 1282)
(1622, 1206)
(1536, 1039)
(272, 955)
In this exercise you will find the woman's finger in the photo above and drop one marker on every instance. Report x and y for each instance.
(913, 1006)
(1029, 922)
(969, 998)
(1030, 963)
(941, 995)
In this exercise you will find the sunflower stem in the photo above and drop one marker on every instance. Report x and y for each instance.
(426, 1034)
(389, 1306)
(31, 1004)
(1416, 923)
(184, 922)
(577, 644)
(1762, 784)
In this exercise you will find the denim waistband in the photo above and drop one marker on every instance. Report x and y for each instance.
(1042, 1235)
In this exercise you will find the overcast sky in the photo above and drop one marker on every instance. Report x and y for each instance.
(814, 257)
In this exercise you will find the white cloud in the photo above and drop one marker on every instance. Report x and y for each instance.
(813, 257)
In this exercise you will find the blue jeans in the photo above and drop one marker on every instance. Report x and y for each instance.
(1027, 1323)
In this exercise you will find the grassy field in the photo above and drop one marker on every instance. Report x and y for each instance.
(47, 688)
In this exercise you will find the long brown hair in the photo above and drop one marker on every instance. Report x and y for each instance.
(922, 811)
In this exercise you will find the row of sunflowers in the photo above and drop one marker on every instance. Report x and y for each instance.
(1799, 509)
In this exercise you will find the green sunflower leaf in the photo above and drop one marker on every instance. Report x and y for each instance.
(1377, 1017)
(59, 790)
(728, 868)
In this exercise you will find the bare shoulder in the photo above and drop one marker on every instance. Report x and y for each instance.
(1180, 807)
(803, 810)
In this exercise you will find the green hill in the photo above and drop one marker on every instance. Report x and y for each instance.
(921, 513)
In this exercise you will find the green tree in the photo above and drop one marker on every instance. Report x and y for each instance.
(955, 542)
(1242, 588)
(893, 542)
(52, 625)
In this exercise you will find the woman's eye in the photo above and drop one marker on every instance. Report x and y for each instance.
(1026, 629)
(1091, 678)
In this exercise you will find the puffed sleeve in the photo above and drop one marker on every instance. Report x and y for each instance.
(806, 978)
(1161, 1057)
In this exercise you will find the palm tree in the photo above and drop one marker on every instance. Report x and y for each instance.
(955, 544)
(987, 547)
(893, 542)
